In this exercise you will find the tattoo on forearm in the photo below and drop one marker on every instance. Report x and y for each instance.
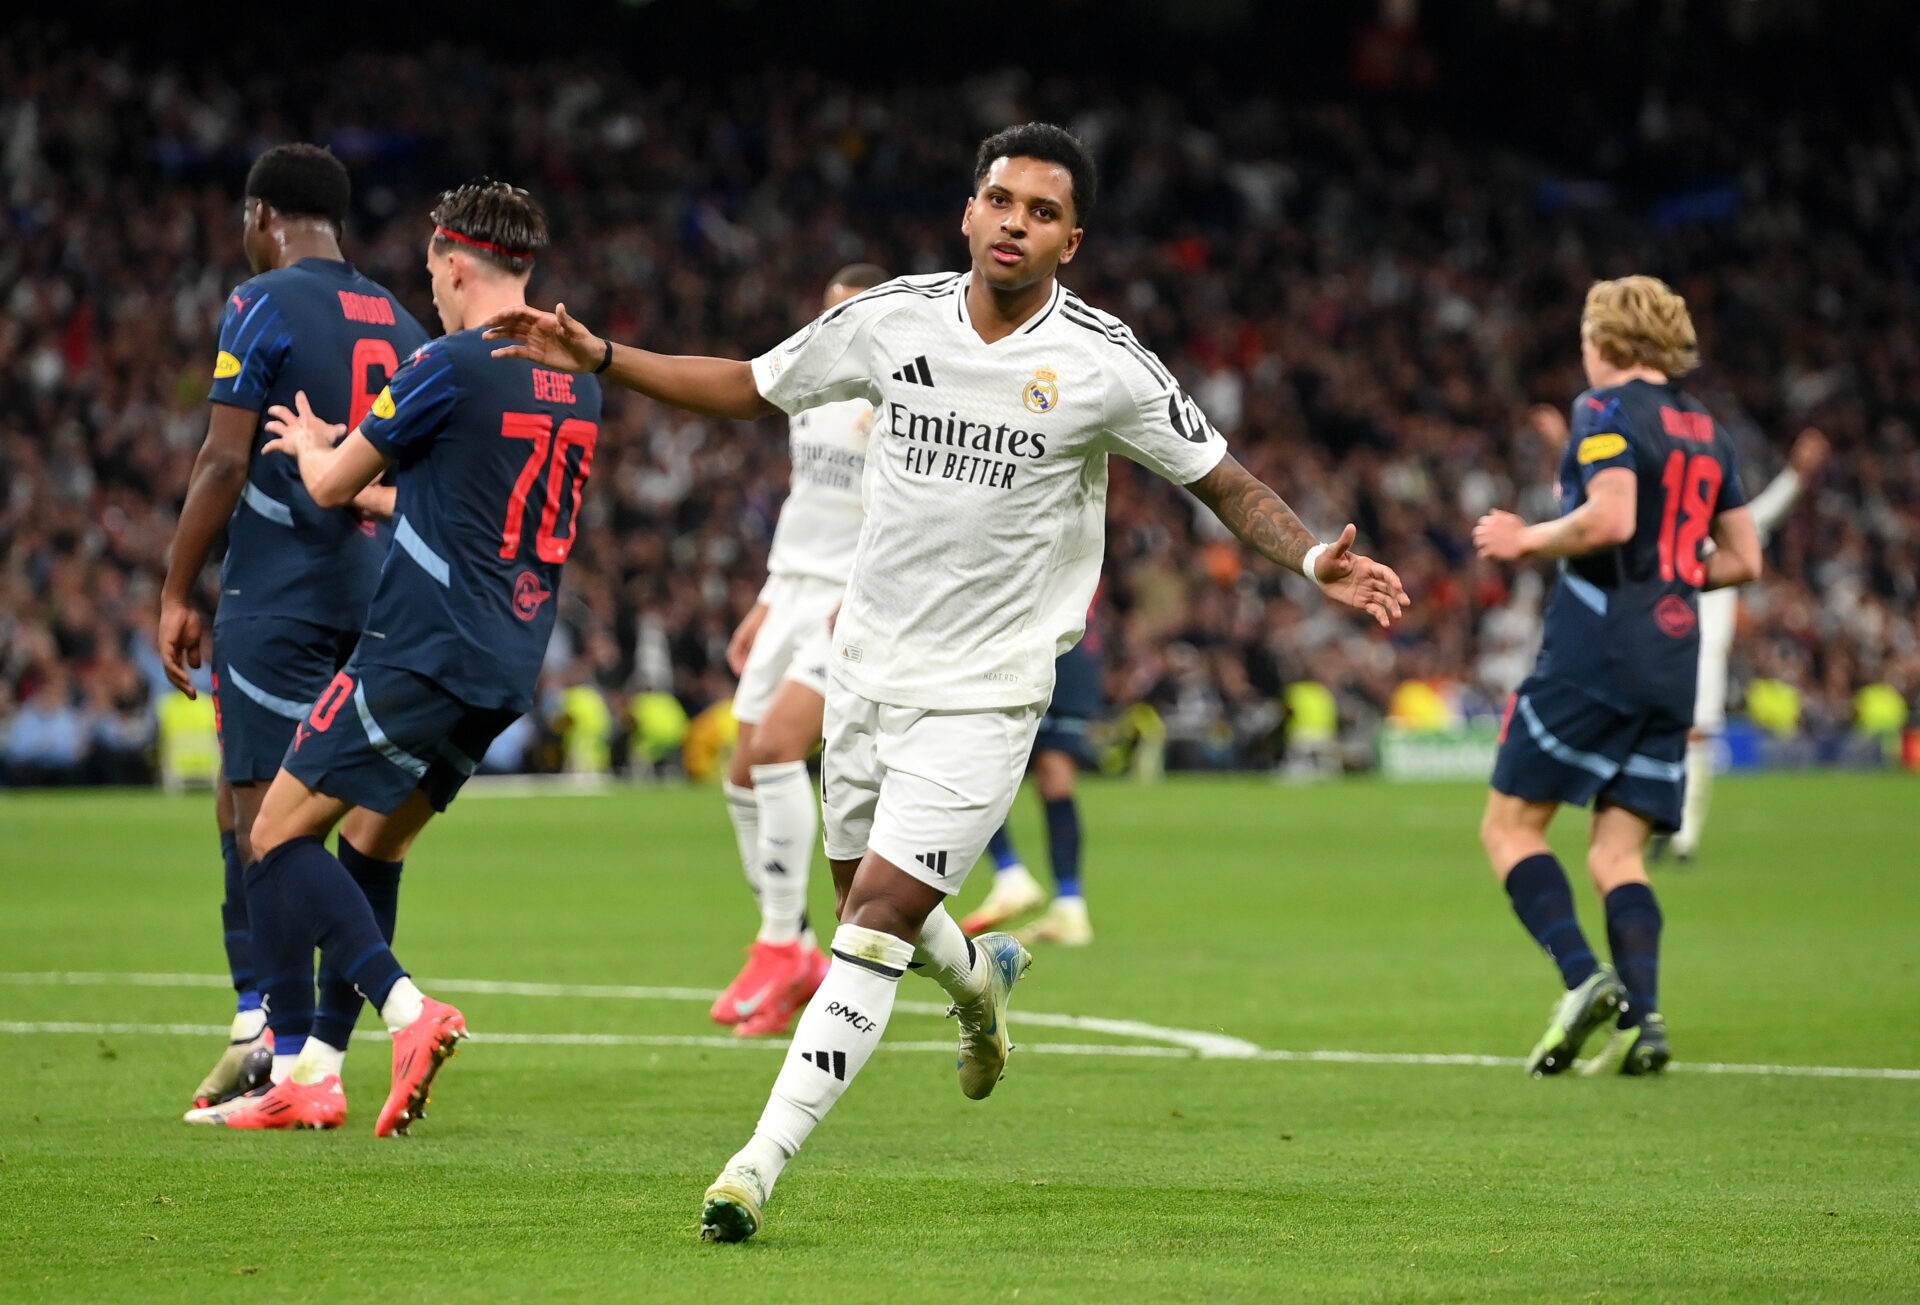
(1254, 513)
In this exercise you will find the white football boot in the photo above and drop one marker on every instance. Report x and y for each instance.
(983, 1020)
(731, 1208)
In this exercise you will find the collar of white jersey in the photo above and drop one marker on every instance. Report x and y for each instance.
(1028, 327)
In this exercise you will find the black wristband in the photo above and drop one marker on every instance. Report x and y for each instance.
(605, 362)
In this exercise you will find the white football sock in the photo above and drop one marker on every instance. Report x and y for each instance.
(282, 1066)
(949, 958)
(1693, 819)
(318, 1060)
(789, 824)
(763, 1155)
(247, 1025)
(743, 808)
(403, 1005)
(836, 1033)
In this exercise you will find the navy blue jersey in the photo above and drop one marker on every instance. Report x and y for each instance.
(492, 453)
(1623, 624)
(321, 327)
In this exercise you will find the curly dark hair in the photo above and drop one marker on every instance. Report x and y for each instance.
(302, 181)
(499, 224)
(1050, 144)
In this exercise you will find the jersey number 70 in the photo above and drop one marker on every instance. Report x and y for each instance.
(1692, 486)
(548, 444)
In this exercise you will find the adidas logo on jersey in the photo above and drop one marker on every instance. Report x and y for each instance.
(915, 372)
(934, 861)
(829, 1062)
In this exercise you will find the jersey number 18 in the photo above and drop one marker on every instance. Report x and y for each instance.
(548, 445)
(1692, 486)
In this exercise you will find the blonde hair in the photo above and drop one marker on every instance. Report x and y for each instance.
(1638, 321)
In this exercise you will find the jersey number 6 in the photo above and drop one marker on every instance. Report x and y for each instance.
(374, 363)
(538, 427)
(1692, 485)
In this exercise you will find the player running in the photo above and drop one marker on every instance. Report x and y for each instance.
(780, 652)
(1060, 748)
(998, 395)
(297, 576)
(1648, 478)
(1719, 614)
(492, 455)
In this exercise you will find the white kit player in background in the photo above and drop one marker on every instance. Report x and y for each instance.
(998, 396)
(780, 652)
(1719, 615)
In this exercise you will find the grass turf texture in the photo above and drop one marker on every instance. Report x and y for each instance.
(1355, 917)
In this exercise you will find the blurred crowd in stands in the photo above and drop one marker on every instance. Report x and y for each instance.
(1365, 301)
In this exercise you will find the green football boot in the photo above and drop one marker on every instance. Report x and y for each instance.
(1600, 1000)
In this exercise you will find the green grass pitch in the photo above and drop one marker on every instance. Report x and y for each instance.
(1355, 917)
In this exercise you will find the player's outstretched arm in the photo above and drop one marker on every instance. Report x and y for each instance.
(333, 474)
(1262, 521)
(1606, 519)
(219, 475)
(712, 387)
(1772, 504)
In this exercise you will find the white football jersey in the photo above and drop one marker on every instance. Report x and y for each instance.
(820, 521)
(986, 481)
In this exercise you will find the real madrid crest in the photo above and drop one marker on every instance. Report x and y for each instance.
(1042, 393)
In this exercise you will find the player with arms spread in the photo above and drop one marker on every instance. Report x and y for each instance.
(297, 576)
(492, 455)
(781, 652)
(998, 396)
(1648, 479)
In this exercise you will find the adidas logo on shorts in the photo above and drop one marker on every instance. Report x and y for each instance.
(934, 861)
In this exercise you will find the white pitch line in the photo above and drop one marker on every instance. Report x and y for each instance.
(1185, 1043)
(1197, 1041)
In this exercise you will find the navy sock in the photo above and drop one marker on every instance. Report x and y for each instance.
(310, 900)
(340, 1001)
(1000, 846)
(233, 922)
(1544, 902)
(1633, 934)
(283, 955)
(1063, 845)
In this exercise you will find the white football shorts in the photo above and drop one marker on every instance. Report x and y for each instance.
(924, 789)
(794, 643)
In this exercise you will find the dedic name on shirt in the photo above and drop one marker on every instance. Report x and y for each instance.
(962, 447)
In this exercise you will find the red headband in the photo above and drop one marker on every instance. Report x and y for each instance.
(487, 245)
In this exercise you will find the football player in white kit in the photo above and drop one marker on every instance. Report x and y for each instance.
(998, 395)
(780, 652)
(1719, 615)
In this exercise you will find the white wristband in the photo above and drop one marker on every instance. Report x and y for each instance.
(1307, 564)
